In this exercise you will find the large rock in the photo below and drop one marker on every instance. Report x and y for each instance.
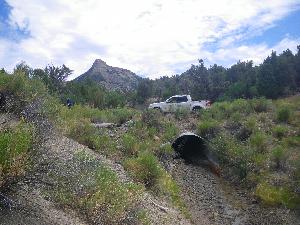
(112, 78)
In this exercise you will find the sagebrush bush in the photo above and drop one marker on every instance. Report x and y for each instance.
(256, 148)
(181, 114)
(152, 118)
(283, 114)
(258, 141)
(20, 90)
(272, 195)
(170, 132)
(95, 189)
(279, 156)
(208, 129)
(82, 131)
(260, 105)
(130, 144)
(147, 170)
(14, 146)
(22, 87)
(118, 115)
(105, 144)
(225, 110)
(166, 149)
(144, 169)
(280, 131)
(293, 141)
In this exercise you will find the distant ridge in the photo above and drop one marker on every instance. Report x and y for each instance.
(112, 78)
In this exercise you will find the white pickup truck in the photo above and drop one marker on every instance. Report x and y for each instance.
(180, 102)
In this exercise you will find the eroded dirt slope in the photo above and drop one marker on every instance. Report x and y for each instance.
(31, 206)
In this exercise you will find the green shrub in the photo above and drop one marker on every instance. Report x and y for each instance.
(144, 169)
(181, 114)
(280, 131)
(105, 144)
(241, 105)
(152, 118)
(166, 149)
(208, 129)
(279, 156)
(147, 170)
(22, 90)
(118, 115)
(236, 117)
(95, 189)
(169, 187)
(83, 132)
(111, 195)
(272, 195)
(152, 131)
(284, 114)
(225, 110)
(258, 142)
(260, 105)
(170, 132)
(293, 141)
(23, 87)
(130, 144)
(231, 152)
(14, 146)
(251, 123)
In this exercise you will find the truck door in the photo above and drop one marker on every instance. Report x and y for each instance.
(183, 103)
(171, 104)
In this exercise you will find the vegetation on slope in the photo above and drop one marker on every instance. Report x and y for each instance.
(99, 188)
(76, 122)
(258, 140)
(94, 189)
(15, 143)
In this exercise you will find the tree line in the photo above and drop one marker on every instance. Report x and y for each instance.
(88, 92)
(276, 76)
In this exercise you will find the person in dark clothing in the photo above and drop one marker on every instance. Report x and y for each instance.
(70, 103)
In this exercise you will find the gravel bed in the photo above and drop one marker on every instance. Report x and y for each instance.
(211, 200)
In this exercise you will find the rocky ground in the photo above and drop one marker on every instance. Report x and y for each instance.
(212, 200)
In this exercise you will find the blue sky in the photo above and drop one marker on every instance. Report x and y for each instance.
(152, 38)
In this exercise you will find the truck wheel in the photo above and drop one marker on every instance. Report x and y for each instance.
(197, 109)
(159, 109)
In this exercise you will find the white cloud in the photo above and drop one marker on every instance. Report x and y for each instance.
(153, 37)
(256, 53)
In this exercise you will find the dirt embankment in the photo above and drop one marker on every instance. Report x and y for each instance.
(32, 206)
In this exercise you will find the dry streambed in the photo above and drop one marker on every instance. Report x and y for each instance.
(211, 200)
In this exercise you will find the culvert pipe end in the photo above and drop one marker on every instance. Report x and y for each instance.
(194, 149)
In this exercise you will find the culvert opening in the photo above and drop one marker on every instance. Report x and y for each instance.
(193, 149)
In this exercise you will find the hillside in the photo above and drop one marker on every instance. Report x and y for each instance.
(117, 165)
(112, 78)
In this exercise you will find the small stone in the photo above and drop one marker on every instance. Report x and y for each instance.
(156, 138)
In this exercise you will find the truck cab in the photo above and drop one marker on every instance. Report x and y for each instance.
(179, 102)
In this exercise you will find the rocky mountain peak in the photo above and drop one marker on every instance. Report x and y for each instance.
(113, 78)
(99, 63)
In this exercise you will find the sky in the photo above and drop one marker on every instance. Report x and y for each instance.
(152, 38)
